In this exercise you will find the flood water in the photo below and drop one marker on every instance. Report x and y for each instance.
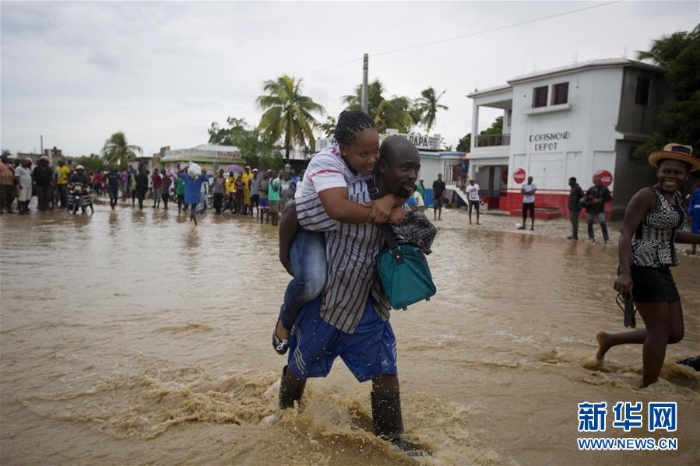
(132, 337)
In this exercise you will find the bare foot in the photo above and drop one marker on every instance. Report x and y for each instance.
(603, 346)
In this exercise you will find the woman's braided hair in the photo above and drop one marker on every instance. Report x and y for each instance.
(350, 123)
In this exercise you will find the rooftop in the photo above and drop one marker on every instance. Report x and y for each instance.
(576, 67)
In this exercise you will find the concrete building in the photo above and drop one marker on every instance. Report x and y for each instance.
(55, 155)
(580, 120)
(209, 156)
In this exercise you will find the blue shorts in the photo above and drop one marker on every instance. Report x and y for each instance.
(369, 352)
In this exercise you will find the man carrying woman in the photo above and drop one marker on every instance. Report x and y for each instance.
(351, 321)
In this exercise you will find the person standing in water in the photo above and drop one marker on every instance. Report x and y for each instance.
(597, 196)
(653, 222)
(473, 194)
(528, 191)
(193, 189)
(141, 186)
(438, 191)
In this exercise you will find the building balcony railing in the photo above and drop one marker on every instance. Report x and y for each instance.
(491, 140)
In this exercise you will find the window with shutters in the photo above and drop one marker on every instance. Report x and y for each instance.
(560, 93)
(539, 96)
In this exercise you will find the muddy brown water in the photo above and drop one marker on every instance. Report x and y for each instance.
(132, 337)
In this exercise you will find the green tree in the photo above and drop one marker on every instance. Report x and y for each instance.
(328, 127)
(465, 143)
(92, 163)
(679, 54)
(288, 114)
(427, 107)
(118, 152)
(386, 113)
(6, 152)
(256, 150)
(495, 128)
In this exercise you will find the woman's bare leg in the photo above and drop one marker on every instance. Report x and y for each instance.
(664, 325)
(608, 340)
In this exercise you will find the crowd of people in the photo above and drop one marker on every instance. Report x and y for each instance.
(248, 193)
(20, 180)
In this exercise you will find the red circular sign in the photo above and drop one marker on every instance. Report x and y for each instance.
(605, 176)
(519, 175)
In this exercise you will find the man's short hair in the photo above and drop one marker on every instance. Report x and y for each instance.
(394, 145)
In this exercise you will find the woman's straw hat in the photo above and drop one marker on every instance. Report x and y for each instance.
(678, 152)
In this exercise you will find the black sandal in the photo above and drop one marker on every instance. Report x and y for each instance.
(280, 346)
(626, 304)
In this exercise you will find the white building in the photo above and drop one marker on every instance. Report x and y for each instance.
(209, 156)
(577, 120)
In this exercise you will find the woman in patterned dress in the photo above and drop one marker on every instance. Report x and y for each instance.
(653, 222)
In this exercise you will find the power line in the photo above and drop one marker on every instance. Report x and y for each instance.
(388, 52)
(500, 28)
(462, 36)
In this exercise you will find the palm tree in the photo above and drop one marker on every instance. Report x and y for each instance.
(666, 50)
(117, 151)
(427, 107)
(386, 113)
(328, 127)
(374, 99)
(288, 113)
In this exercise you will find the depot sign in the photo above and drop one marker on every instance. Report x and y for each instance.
(548, 141)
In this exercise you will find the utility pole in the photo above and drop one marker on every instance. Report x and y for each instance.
(365, 91)
(41, 137)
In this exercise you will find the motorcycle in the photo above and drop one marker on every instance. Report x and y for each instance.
(79, 196)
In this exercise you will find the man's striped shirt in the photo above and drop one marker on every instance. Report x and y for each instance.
(350, 249)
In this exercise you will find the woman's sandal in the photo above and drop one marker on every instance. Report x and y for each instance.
(626, 304)
(280, 346)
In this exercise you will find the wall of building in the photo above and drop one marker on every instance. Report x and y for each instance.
(553, 143)
(635, 122)
(630, 175)
(429, 169)
(507, 121)
(492, 181)
(433, 164)
(636, 118)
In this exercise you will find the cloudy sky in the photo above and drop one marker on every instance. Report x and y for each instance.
(162, 72)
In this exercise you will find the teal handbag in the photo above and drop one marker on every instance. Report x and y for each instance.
(403, 272)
